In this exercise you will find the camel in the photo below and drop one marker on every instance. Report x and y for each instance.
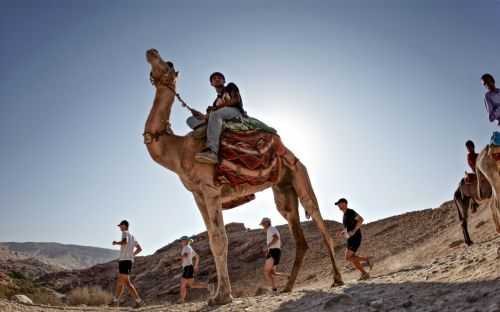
(487, 165)
(467, 197)
(177, 154)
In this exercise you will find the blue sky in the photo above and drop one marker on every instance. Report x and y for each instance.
(376, 97)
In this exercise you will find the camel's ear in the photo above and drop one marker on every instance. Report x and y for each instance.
(177, 74)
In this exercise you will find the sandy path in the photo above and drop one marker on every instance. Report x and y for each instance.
(467, 279)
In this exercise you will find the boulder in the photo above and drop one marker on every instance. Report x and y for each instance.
(235, 227)
(22, 299)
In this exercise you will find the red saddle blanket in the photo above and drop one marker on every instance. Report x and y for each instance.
(249, 157)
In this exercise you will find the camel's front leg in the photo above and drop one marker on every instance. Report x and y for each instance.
(218, 244)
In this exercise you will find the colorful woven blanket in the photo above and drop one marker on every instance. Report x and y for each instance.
(249, 157)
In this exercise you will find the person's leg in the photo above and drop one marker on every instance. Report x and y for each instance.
(215, 123)
(275, 273)
(132, 289)
(351, 257)
(183, 290)
(194, 122)
(268, 272)
(199, 285)
(361, 258)
(119, 287)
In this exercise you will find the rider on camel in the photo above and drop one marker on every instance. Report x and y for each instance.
(491, 98)
(228, 105)
(471, 155)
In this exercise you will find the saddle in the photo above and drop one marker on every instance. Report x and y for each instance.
(249, 153)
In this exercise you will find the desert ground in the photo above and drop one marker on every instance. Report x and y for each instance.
(421, 264)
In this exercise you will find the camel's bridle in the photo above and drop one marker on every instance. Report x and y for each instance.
(168, 82)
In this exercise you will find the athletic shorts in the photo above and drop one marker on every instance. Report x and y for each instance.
(274, 253)
(354, 242)
(188, 272)
(125, 267)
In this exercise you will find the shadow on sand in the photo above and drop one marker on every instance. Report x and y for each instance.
(406, 296)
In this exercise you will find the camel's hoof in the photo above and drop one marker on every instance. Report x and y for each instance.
(220, 300)
(337, 284)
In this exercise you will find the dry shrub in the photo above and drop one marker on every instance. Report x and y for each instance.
(91, 296)
(18, 284)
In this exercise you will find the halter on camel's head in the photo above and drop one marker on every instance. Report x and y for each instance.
(162, 73)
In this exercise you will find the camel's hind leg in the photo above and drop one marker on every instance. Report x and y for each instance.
(288, 205)
(303, 187)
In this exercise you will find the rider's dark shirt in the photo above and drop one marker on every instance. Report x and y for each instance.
(234, 93)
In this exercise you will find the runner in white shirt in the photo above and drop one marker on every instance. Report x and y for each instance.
(273, 253)
(129, 248)
(188, 269)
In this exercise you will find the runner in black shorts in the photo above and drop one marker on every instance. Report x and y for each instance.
(125, 267)
(188, 268)
(129, 248)
(352, 231)
(272, 252)
(188, 272)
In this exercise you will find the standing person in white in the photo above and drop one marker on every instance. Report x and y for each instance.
(273, 253)
(129, 248)
(188, 269)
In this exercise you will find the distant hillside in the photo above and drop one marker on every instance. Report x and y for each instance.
(66, 257)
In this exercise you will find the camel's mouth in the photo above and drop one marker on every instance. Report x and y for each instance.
(161, 72)
(152, 56)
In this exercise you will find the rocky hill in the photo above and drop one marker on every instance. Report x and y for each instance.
(12, 262)
(421, 264)
(61, 256)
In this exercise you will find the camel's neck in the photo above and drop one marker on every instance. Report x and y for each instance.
(166, 149)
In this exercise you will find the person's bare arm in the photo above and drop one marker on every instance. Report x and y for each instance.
(122, 242)
(230, 97)
(359, 223)
(274, 240)
(138, 249)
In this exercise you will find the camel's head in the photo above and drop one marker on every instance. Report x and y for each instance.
(162, 73)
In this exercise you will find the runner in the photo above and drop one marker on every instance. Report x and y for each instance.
(273, 253)
(129, 248)
(188, 269)
(352, 231)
